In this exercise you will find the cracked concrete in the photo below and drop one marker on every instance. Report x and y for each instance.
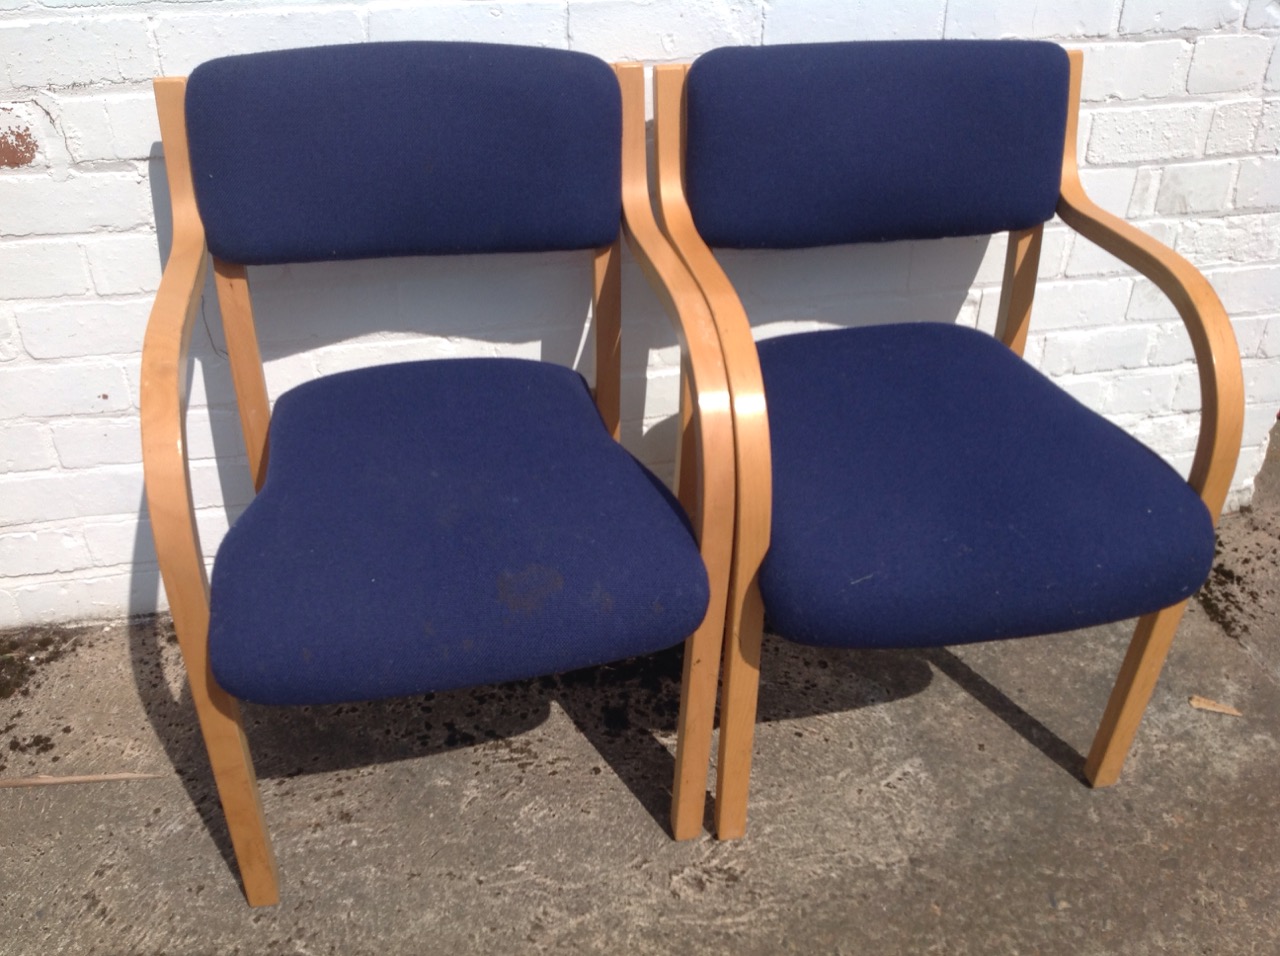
(906, 802)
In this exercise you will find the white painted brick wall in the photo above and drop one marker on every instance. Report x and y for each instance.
(1180, 133)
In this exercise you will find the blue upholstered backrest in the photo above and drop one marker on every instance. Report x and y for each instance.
(388, 149)
(825, 143)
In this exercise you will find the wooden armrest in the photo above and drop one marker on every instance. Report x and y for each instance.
(163, 387)
(742, 365)
(701, 366)
(1212, 338)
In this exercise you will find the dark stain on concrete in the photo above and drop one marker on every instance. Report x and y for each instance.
(1245, 576)
(23, 653)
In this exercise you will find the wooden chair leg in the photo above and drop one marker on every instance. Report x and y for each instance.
(1138, 675)
(744, 630)
(695, 727)
(224, 739)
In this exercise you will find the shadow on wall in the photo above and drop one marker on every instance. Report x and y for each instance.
(323, 318)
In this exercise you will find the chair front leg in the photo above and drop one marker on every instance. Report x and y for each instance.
(744, 632)
(1131, 694)
(224, 740)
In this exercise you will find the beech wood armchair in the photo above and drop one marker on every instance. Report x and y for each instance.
(919, 484)
(441, 524)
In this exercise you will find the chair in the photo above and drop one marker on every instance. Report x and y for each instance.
(918, 484)
(437, 524)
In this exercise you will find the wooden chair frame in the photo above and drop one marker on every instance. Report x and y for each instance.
(1222, 399)
(705, 466)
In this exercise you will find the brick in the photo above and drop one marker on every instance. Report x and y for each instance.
(213, 431)
(1249, 334)
(223, 482)
(1261, 383)
(1271, 81)
(1248, 238)
(1269, 346)
(1258, 422)
(10, 343)
(1149, 304)
(124, 264)
(94, 596)
(1142, 134)
(1195, 188)
(1091, 392)
(1251, 290)
(1142, 393)
(87, 443)
(1100, 350)
(115, 126)
(1080, 303)
(28, 140)
(51, 389)
(186, 40)
(37, 205)
(1146, 187)
(1171, 345)
(1268, 140)
(41, 552)
(25, 446)
(42, 269)
(128, 540)
(1224, 64)
(1169, 16)
(1262, 14)
(56, 496)
(531, 23)
(85, 49)
(97, 327)
(660, 30)
(1016, 18)
(1258, 185)
(1110, 188)
(1086, 259)
(1135, 71)
(850, 20)
(120, 541)
(1168, 434)
(1233, 128)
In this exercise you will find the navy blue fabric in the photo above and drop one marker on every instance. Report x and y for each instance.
(443, 524)
(825, 143)
(932, 488)
(392, 149)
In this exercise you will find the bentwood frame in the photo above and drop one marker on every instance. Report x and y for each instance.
(706, 482)
(1221, 387)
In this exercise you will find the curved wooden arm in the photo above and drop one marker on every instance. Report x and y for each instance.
(164, 370)
(701, 363)
(1212, 338)
(742, 365)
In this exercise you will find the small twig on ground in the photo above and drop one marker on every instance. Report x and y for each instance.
(45, 780)
(1204, 703)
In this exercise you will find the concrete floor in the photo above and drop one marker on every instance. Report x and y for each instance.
(902, 803)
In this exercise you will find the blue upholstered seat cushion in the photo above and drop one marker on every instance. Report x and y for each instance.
(930, 487)
(431, 525)
(407, 148)
(820, 143)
